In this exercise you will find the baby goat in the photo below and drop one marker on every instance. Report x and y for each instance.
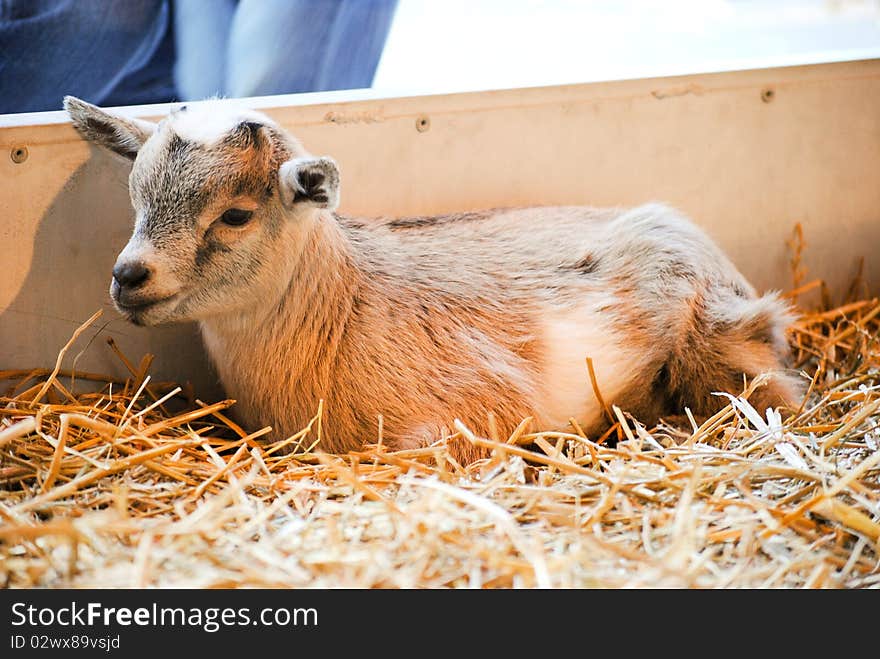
(428, 319)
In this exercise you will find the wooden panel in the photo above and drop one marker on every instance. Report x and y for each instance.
(746, 167)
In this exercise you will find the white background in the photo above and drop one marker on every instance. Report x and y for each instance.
(458, 45)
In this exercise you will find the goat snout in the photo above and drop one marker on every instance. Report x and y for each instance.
(131, 274)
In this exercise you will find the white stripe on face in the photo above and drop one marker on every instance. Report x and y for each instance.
(139, 248)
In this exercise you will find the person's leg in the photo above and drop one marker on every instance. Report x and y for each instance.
(153, 82)
(201, 34)
(287, 46)
(49, 48)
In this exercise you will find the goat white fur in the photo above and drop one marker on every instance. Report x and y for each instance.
(422, 320)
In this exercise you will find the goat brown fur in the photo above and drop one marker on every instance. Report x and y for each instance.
(424, 320)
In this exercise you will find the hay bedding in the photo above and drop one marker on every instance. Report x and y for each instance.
(116, 488)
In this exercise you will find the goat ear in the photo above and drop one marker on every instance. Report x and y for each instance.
(313, 181)
(122, 136)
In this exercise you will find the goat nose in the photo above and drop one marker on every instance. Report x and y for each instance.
(131, 274)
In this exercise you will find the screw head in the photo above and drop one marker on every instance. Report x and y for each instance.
(18, 154)
(423, 123)
(767, 95)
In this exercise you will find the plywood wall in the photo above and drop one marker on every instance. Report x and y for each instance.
(746, 154)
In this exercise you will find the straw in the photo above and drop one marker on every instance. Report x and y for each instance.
(107, 488)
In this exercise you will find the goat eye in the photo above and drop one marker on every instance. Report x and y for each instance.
(235, 217)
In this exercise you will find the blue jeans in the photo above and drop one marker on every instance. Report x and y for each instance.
(261, 47)
(110, 52)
